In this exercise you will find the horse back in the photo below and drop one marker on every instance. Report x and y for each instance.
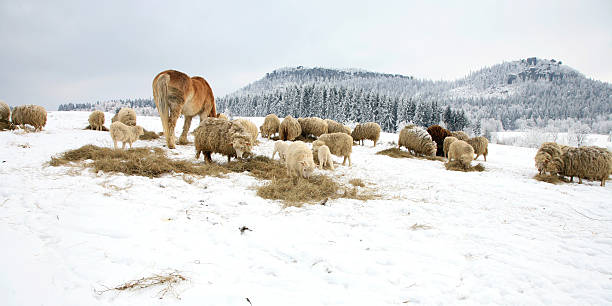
(203, 96)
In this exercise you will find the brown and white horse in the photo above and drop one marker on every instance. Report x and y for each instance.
(175, 93)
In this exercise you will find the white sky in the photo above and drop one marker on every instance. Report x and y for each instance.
(56, 52)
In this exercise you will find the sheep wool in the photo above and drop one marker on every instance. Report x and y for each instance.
(96, 120)
(324, 157)
(447, 143)
(339, 144)
(289, 129)
(270, 126)
(299, 160)
(462, 152)
(250, 127)
(417, 141)
(548, 158)
(370, 131)
(33, 115)
(480, 145)
(125, 133)
(438, 134)
(5, 112)
(222, 116)
(461, 135)
(225, 137)
(313, 126)
(587, 162)
(125, 115)
(280, 147)
(335, 127)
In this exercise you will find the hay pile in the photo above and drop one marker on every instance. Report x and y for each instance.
(397, 153)
(552, 179)
(149, 162)
(148, 135)
(90, 128)
(457, 166)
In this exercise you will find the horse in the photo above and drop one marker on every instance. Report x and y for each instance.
(176, 93)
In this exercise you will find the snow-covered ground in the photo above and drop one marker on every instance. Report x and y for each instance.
(435, 236)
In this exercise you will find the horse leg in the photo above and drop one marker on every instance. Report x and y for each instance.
(175, 112)
(183, 138)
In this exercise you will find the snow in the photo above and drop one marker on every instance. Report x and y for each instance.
(434, 237)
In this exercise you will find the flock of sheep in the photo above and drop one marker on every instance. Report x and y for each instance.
(236, 138)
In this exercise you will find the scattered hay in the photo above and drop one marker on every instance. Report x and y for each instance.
(308, 138)
(167, 281)
(149, 162)
(357, 182)
(148, 135)
(274, 138)
(395, 153)
(417, 226)
(90, 128)
(258, 166)
(552, 179)
(300, 190)
(455, 165)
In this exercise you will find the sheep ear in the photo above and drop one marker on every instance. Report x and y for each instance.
(231, 144)
(303, 162)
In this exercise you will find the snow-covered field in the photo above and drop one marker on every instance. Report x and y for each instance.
(435, 236)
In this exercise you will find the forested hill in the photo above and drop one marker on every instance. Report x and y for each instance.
(531, 92)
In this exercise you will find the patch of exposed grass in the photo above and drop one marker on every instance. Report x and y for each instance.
(90, 128)
(149, 162)
(552, 179)
(148, 135)
(455, 165)
(168, 282)
(308, 138)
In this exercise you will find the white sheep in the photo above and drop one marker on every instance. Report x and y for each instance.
(462, 152)
(125, 115)
(447, 142)
(369, 130)
(125, 133)
(270, 126)
(324, 157)
(5, 112)
(340, 144)
(280, 147)
(299, 160)
(96, 120)
(417, 140)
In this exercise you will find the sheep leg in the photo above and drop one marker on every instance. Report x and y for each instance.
(344, 161)
(207, 157)
(579, 180)
(186, 126)
(115, 142)
(198, 154)
(603, 182)
(331, 164)
(477, 155)
(274, 153)
(320, 165)
(123, 146)
(485, 156)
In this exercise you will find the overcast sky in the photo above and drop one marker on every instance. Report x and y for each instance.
(54, 52)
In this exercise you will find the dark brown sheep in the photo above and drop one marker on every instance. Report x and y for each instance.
(438, 134)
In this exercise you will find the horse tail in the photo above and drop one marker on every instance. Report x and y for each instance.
(160, 94)
(213, 110)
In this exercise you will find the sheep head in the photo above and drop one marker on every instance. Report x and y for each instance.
(242, 145)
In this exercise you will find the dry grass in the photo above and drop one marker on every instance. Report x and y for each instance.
(357, 182)
(6, 125)
(398, 153)
(552, 179)
(168, 282)
(148, 135)
(308, 138)
(457, 166)
(417, 226)
(149, 162)
(153, 162)
(90, 128)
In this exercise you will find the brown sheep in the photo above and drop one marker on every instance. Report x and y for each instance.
(270, 126)
(548, 158)
(289, 129)
(335, 127)
(416, 140)
(33, 115)
(480, 145)
(462, 152)
(339, 144)
(96, 120)
(215, 135)
(5, 112)
(370, 130)
(461, 135)
(447, 142)
(438, 134)
(125, 115)
(588, 163)
(313, 126)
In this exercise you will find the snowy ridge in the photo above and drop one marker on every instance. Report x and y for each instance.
(435, 236)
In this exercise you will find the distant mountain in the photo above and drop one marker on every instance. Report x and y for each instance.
(528, 92)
